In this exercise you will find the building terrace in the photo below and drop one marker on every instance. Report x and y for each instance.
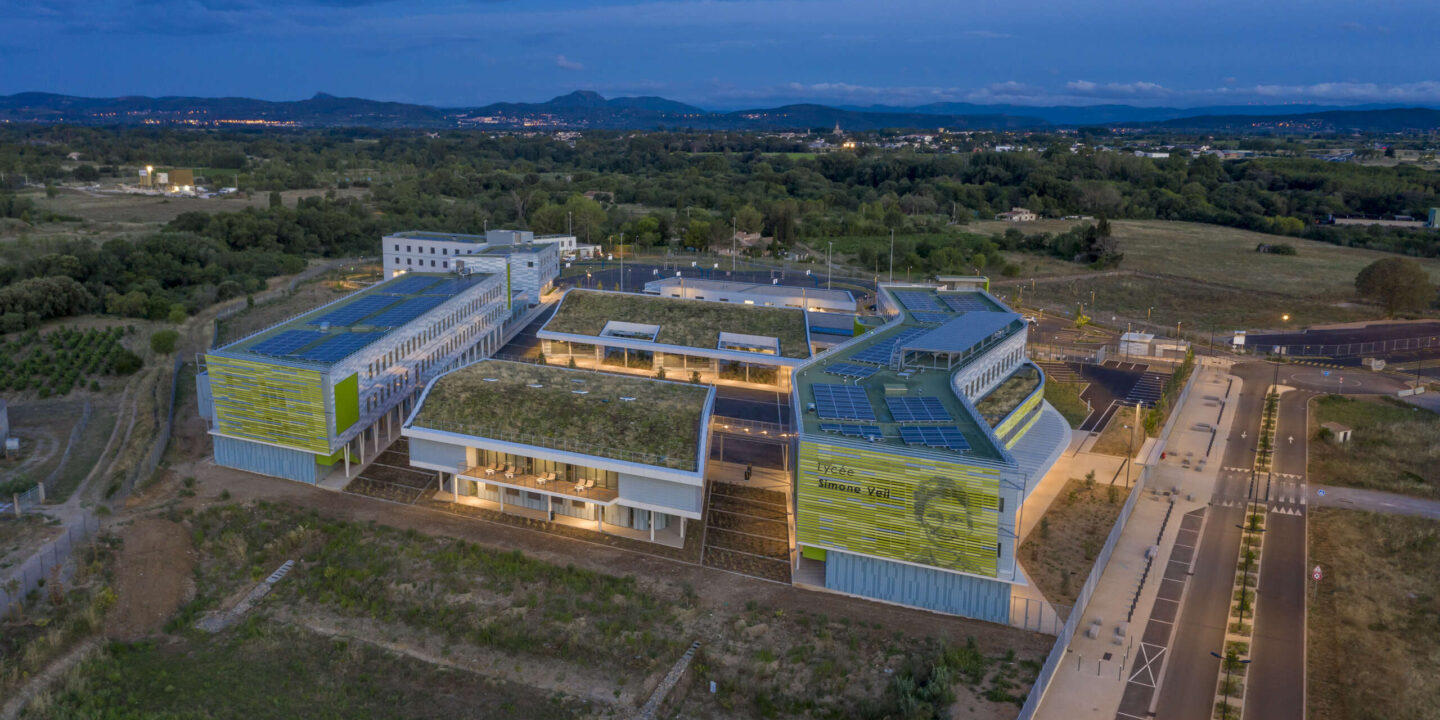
(638, 420)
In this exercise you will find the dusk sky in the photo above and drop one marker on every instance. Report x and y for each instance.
(734, 54)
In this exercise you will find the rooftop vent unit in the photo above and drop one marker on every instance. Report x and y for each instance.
(324, 327)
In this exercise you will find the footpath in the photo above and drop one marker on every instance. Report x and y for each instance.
(1114, 661)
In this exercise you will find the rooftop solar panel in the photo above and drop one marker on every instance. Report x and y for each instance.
(286, 342)
(852, 430)
(842, 402)
(964, 303)
(945, 438)
(917, 409)
(917, 300)
(880, 352)
(339, 347)
(405, 311)
(410, 285)
(850, 370)
(451, 287)
(931, 317)
(352, 313)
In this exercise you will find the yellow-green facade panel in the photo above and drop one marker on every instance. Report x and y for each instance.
(271, 403)
(889, 505)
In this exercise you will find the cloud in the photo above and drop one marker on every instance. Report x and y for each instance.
(565, 63)
(1085, 88)
(1359, 27)
(1351, 92)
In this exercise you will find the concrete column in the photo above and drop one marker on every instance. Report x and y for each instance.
(651, 515)
(347, 460)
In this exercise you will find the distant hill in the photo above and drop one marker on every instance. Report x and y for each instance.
(1394, 120)
(589, 110)
(1074, 115)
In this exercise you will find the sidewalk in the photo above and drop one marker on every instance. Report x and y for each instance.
(1092, 680)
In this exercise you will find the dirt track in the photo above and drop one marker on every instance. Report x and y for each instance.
(153, 577)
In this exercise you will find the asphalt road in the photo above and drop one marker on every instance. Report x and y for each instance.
(1188, 689)
(1374, 501)
(1276, 688)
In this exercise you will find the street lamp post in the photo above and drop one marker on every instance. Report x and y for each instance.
(829, 264)
(1230, 659)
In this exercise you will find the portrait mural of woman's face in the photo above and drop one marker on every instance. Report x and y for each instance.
(943, 509)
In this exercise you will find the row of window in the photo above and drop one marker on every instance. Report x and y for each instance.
(1009, 361)
(443, 251)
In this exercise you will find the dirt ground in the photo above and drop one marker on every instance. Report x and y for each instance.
(1069, 538)
(152, 577)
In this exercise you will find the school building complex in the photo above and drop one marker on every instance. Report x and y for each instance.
(916, 431)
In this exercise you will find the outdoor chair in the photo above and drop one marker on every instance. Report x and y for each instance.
(589, 484)
(580, 486)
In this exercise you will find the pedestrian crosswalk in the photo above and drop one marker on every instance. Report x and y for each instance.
(1282, 495)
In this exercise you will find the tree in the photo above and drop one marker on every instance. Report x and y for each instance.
(163, 341)
(276, 200)
(1398, 284)
(749, 220)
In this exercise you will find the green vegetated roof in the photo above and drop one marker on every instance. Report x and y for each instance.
(688, 323)
(571, 410)
(1008, 395)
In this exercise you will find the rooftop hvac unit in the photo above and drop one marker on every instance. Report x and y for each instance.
(324, 327)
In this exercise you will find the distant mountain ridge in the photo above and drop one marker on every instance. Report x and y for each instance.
(584, 109)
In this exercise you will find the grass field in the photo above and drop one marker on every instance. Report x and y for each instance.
(1394, 447)
(1060, 550)
(559, 632)
(1372, 623)
(262, 669)
(1065, 397)
(1199, 308)
(1226, 256)
(1121, 435)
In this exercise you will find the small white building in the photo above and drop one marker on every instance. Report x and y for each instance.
(1136, 343)
(1016, 214)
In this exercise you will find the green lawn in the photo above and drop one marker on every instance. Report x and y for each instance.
(1065, 397)
(1394, 447)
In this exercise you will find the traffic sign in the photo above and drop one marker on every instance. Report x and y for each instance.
(1326, 373)
(1321, 492)
(1316, 574)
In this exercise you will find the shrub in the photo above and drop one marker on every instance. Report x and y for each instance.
(163, 341)
(124, 362)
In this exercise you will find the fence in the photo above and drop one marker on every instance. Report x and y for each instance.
(145, 467)
(1037, 615)
(43, 561)
(1258, 346)
(1062, 643)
